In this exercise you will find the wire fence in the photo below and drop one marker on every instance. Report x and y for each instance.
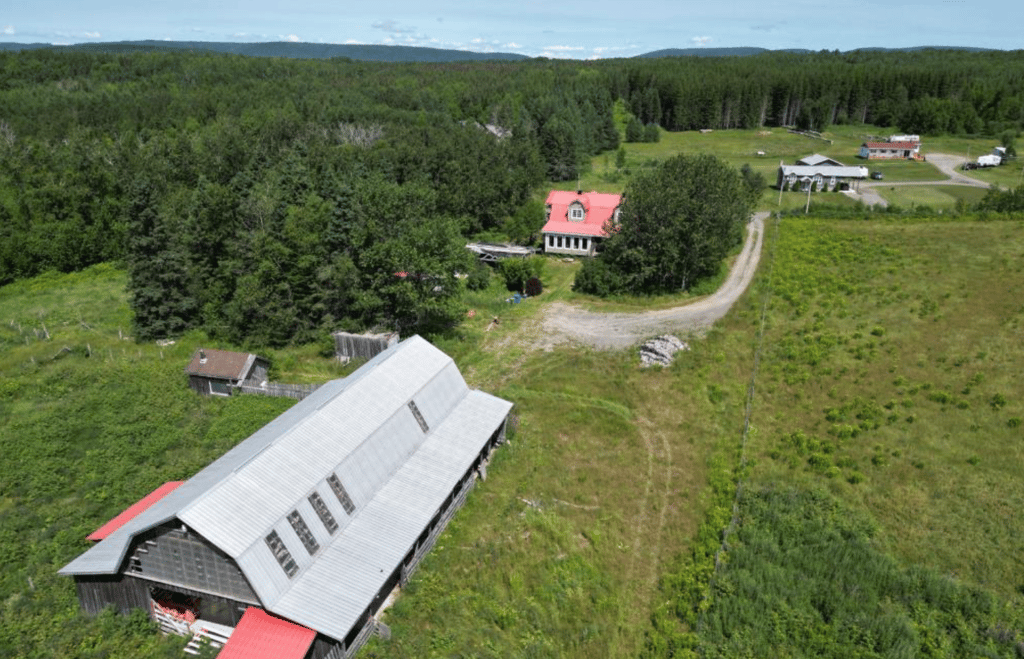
(724, 547)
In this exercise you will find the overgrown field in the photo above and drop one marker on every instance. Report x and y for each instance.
(880, 508)
(881, 516)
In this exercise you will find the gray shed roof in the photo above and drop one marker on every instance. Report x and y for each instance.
(818, 159)
(363, 430)
(824, 171)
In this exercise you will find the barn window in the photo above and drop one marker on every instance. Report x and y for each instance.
(281, 553)
(323, 513)
(301, 530)
(419, 417)
(339, 491)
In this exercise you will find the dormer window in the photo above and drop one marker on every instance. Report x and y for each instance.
(576, 214)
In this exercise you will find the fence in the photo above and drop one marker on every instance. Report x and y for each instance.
(277, 389)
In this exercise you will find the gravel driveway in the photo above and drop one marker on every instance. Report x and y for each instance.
(565, 323)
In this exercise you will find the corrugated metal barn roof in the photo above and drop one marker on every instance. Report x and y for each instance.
(398, 434)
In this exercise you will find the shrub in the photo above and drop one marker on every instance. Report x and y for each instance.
(516, 272)
(479, 277)
(998, 402)
(1013, 422)
(534, 287)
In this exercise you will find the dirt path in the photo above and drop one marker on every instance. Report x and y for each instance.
(565, 323)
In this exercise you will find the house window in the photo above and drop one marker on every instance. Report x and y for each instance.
(339, 491)
(575, 243)
(576, 214)
(323, 512)
(559, 242)
(281, 553)
(585, 241)
(218, 388)
(419, 417)
(301, 530)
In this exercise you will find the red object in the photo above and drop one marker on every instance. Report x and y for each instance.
(260, 635)
(133, 510)
(893, 145)
(599, 209)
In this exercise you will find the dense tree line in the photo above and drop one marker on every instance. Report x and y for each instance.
(264, 199)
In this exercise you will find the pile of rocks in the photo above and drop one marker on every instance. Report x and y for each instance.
(661, 350)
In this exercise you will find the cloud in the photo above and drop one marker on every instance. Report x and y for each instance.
(392, 27)
(292, 38)
(91, 35)
(701, 41)
(512, 44)
(353, 42)
(9, 29)
(563, 48)
(767, 27)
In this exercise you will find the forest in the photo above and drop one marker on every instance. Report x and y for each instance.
(264, 200)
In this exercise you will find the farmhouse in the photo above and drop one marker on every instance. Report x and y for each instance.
(909, 149)
(214, 372)
(819, 173)
(312, 521)
(576, 221)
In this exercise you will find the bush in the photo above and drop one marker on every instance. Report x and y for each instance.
(534, 287)
(479, 277)
(516, 272)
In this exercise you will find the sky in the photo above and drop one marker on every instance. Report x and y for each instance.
(567, 29)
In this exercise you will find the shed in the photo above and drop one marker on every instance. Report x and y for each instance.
(366, 345)
(316, 517)
(215, 372)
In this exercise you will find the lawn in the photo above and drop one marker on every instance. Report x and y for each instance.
(934, 196)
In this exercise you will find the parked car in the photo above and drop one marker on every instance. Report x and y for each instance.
(877, 176)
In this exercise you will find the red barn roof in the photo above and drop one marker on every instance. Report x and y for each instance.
(260, 635)
(599, 208)
(133, 510)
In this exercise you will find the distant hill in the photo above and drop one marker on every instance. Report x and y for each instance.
(377, 53)
(367, 53)
(747, 51)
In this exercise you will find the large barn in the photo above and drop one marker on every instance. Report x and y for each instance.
(312, 521)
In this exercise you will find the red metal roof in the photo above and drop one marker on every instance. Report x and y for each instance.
(260, 635)
(599, 209)
(133, 510)
(892, 145)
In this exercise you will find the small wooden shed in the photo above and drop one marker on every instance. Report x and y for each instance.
(214, 372)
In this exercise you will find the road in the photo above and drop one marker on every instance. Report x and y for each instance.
(947, 164)
(565, 323)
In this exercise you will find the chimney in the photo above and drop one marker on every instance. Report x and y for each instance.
(202, 356)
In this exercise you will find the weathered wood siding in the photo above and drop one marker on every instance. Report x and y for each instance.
(365, 346)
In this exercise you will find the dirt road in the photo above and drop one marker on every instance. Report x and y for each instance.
(947, 164)
(564, 323)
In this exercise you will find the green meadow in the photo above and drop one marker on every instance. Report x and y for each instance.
(877, 490)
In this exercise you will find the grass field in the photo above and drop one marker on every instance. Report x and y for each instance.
(935, 196)
(885, 427)
(740, 147)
